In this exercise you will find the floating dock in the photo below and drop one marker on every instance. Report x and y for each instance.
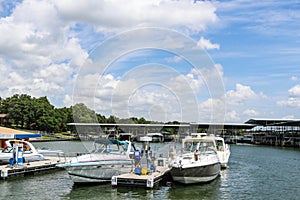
(148, 181)
(8, 171)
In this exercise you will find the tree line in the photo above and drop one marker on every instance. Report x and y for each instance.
(31, 113)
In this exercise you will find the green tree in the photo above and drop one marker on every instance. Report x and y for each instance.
(82, 114)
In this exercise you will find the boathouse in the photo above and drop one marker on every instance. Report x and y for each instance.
(277, 132)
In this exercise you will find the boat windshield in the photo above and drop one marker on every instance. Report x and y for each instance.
(219, 144)
(7, 150)
(206, 146)
(190, 146)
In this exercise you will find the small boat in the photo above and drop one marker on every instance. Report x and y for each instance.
(29, 152)
(197, 163)
(109, 158)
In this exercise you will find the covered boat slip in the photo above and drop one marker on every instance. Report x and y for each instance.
(170, 132)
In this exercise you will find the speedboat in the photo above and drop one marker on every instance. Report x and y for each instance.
(223, 149)
(29, 152)
(198, 162)
(109, 158)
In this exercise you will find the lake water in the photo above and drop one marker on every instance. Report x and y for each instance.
(254, 172)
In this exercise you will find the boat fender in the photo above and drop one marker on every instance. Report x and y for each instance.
(108, 148)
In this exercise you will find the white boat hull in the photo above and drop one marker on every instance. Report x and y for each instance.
(200, 174)
(98, 171)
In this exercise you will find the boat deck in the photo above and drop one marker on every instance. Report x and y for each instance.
(148, 181)
(8, 171)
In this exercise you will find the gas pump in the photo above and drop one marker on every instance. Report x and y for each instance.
(17, 154)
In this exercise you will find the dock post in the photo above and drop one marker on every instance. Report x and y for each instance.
(4, 173)
(114, 181)
(150, 183)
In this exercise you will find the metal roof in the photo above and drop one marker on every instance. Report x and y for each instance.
(129, 125)
(274, 122)
(200, 125)
(224, 125)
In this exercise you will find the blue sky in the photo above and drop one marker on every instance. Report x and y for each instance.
(57, 48)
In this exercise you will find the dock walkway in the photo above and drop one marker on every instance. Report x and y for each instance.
(148, 181)
(8, 171)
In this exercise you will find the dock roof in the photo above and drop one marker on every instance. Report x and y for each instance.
(274, 122)
(225, 125)
(9, 133)
(185, 125)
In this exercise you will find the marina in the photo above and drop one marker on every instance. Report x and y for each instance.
(158, 175)
(254, 172)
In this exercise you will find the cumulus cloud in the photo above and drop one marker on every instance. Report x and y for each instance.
(232, 116)
(295, 91)
(43, 43)
(109, 16)
(206, 44)
(250, 113)
(174, 59)
(38, 56)
(241, 94)
(294, 98)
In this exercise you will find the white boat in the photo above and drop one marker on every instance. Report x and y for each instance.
(29, 152)
(197, 163)
(156, 137)
(109, 158)
(223, 149)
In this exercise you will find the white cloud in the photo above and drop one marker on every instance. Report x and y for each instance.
(41, 41)
(288, 117)
(295, 91)
(241, 94)
(206, 44)
(294, 78)
(251, 113)
(108, 16)
(232, 116)
(174, 59)
(37, 55)
(294, 98)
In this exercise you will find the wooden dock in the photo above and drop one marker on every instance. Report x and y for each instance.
(8, 171)
(148, 181)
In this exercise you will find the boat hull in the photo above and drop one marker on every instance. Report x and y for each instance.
(98, 173)
(199, 174)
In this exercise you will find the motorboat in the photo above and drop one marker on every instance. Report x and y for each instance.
(28, 151)
(223, 149)
(156, 137)
(109, 158)
(197, 162)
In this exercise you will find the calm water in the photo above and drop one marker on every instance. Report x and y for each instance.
(254, 172)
